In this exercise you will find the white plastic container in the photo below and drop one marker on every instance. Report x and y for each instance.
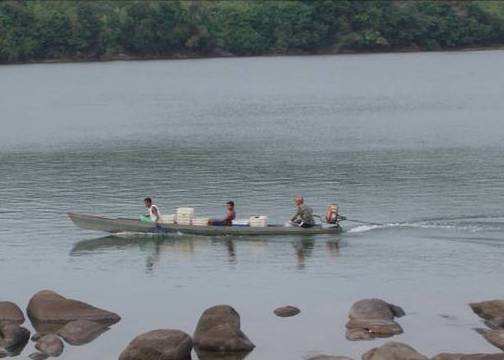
(168, 219)
(185, 212)
(258, 221)
(185, 215)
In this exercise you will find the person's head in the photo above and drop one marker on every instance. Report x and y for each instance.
(230, 205)
(299, 200)
(148, 202)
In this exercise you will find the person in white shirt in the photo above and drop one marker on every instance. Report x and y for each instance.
(153, 213)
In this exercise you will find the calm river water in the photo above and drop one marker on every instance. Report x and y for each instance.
(411, 141)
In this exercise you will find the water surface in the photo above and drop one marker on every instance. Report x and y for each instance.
(411, 141)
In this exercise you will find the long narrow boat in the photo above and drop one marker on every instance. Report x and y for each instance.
(99, 223)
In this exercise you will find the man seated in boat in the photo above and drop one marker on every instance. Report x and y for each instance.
(230, 216)
(304, 214)
(153, 215)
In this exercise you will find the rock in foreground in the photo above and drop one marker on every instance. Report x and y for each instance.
(219, 330)
(393, 351)
(11, 312)
(164, 344)
(494, 337)
(371, 318)
(492, 311)
(48, 307)
(50, 345)
(286, 311)
(80, 332)
(13, 337)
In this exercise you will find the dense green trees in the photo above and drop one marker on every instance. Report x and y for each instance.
(85, 29)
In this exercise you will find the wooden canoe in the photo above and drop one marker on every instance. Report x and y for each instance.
(99, 223)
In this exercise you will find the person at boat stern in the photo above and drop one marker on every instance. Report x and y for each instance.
(153, 215)
(304, 214)
(230, 216)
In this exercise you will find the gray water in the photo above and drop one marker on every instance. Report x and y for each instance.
(411, 141)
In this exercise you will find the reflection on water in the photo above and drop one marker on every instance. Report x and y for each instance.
(154, 246)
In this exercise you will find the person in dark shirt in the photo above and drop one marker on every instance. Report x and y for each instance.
(230, 216)
(304, 214)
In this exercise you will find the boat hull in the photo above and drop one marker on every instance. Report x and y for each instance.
(99, 223)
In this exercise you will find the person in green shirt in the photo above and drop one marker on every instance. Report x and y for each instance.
(304, 214)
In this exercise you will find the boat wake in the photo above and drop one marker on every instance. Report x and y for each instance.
(472, 223)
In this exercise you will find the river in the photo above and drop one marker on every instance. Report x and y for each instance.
(411, 141)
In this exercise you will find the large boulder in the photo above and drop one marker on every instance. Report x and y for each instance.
(53, 310)
(494, 337)
(50, 345)
(13, 338)
(371, 318)
(219, 330)
(164, 344)
(375, 309)
(492, 311)
(393, 351)
(456, 356)
(80, 332)
(286, 311)
(11, 312)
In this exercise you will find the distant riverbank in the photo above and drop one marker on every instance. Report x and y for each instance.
(214, 55)
(63, 31)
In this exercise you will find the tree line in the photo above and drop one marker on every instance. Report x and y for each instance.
(33, 30)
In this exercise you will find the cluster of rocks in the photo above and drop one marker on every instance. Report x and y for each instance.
(371, 318)
(218, 334)
(54, 318)
(399, 351)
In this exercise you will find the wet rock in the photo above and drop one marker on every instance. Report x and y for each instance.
(371, 318)
(48, 307)
(489, 310)
(454, 356)
(375, 327)
(393, 351)
(495, 323)
(159, 345)
(50, 345)
(328, 357)
(38, 356)
(375, 309)
(286, 311)
(13, 337)
(11, 312)
(80, 332)
(219, 330)
(494, 337)
(359, 334)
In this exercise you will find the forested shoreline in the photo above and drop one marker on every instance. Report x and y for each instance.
(66, 30)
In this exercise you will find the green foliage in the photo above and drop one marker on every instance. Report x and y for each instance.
(40, 29)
